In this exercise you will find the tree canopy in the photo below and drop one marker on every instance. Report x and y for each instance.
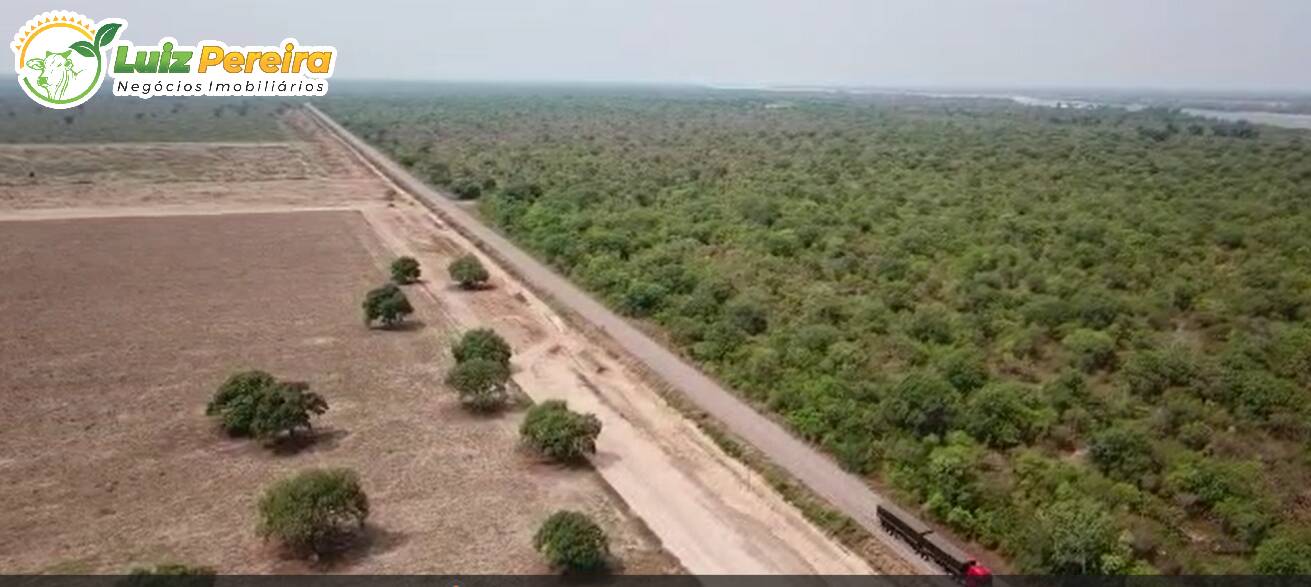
(898, 278)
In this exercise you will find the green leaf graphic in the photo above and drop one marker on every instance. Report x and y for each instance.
(105, 35)
(83, 48)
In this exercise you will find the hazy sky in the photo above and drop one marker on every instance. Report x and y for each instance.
(1205, 44)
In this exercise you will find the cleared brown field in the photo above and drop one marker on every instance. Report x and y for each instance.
(117, 331)
(300, 170)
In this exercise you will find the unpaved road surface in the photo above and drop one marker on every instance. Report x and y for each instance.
(820, 473)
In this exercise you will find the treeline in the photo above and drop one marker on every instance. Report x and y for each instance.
(1081, 344)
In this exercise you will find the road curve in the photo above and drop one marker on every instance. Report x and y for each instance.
(846, 492)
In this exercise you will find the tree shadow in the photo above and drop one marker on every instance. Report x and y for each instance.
(601, 459)
(455, 287)
(372, 541)
(321, 439)
(536, 459)
(608, 575)
(405, 326)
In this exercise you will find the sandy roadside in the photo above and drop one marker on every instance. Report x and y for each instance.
(709, 510)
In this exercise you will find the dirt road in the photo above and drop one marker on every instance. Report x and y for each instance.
(709, 510)
(817, 471)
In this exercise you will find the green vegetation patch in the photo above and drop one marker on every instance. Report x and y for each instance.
(1066, 333)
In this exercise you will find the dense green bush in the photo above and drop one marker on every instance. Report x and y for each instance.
(481, 343)
(1122, 453)
(481, 384)
(235, 401)
(1003, 415)
(1244, 519)
(469, 272)
(386, 304)
(466, 189)
(553, 431)
(1092, 350)
(965, 370)
(1077, 536)
(1150, 373)
(405, 270)
(1213, 481)
(1285, 553)
(169, 575)
(571, 541)
(922, 403)
(314, 511)
(254, 403)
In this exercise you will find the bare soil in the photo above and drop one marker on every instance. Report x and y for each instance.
(116, 333)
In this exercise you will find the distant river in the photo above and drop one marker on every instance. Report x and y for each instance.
(1270, 118)
(1302, 121)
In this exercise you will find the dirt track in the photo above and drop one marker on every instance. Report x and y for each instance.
(817, 471)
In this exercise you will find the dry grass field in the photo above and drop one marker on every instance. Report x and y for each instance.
(117, 331)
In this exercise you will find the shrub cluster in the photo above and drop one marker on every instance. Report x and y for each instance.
(554, 431)
(572, 542)
(315, 511)
(386, 304)
(481, 343)
(405, 270)
(168, 575)
(482, 370)
(469, 272)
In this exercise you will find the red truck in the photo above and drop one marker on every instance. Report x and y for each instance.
(932, 546)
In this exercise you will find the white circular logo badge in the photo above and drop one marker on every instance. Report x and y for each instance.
(62, 57)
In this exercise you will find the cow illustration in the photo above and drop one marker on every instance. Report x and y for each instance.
(56, 72)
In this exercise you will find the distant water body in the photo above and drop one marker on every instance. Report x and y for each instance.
(1270, 118)
(1300, 121)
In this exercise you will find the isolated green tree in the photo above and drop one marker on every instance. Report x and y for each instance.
(481, 343)
(405, 270)
(386, 304)
(314, 511)
(481, 384)
(285, 409)
(571, 541)
(556, 432)
(235, 401)
(254, 403)
(469, 272)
